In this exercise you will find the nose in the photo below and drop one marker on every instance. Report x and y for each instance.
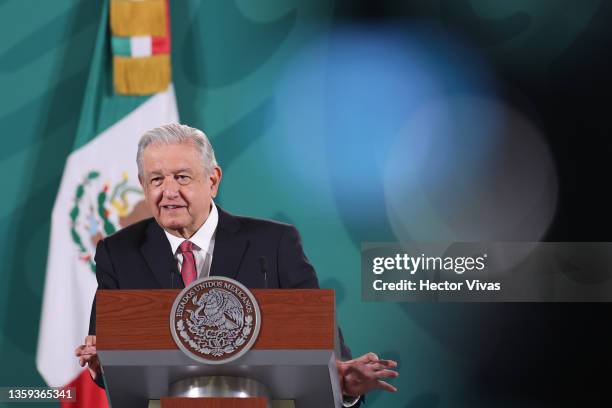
(170, 188)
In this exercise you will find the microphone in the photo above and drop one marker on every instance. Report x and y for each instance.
(263, 265)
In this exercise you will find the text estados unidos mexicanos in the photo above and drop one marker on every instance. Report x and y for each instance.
(412, 264)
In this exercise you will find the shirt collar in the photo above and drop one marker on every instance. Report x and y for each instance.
(203, 236)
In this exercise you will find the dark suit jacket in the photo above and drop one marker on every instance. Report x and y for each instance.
(140, 257)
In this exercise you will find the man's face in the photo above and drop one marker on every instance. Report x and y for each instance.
(177, 190)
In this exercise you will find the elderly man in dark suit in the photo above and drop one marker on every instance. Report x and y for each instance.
(190, 237)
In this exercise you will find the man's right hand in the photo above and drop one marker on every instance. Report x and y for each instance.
(87, 355)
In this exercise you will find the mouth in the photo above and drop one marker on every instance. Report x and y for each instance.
(172, 207)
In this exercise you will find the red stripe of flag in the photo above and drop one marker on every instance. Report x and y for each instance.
(160, 45)
(88, 394)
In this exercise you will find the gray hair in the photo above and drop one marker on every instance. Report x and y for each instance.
(175, 133)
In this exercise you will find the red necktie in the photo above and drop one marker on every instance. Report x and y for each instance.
(188, 268)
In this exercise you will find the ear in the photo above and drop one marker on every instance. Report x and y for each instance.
(215, 180)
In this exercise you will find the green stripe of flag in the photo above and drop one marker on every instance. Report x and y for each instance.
(121, 46)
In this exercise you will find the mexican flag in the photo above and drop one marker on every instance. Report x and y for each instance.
(99, 192)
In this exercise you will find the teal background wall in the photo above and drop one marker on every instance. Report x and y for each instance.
(303, 101)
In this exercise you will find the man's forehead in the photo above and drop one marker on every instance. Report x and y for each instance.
(169, 158)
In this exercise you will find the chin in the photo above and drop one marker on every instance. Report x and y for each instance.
(172, 224)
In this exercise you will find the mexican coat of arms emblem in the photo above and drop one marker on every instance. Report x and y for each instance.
(215, 320)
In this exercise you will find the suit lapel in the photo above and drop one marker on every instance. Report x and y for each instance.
(229, 246)
(158, 255)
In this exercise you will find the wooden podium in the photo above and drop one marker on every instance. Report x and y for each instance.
(294, 355)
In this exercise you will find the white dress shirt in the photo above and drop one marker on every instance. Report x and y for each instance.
(203, 243)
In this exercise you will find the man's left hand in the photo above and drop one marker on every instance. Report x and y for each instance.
(365, 373)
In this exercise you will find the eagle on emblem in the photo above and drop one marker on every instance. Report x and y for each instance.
(218, 309)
